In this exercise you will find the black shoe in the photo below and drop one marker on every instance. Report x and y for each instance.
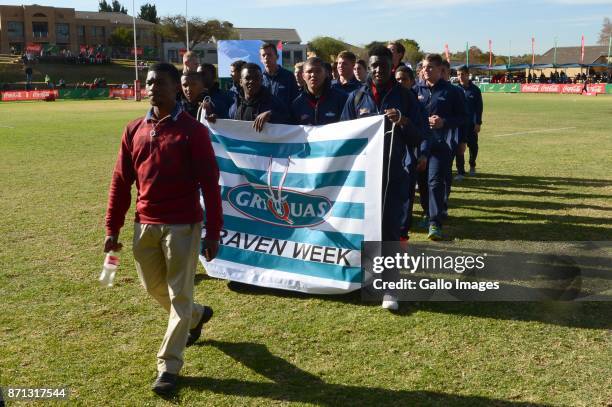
(194, 334)
(165, 383)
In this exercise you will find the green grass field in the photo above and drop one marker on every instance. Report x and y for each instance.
(544, 174)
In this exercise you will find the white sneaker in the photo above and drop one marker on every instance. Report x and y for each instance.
(390, 302)
(459, 177)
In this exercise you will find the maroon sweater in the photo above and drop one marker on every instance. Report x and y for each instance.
(168, 169)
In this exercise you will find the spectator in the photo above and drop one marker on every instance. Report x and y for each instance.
(28, 73)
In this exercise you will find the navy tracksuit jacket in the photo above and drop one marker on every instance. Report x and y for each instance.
(306, 109)
(262, 103)
(348, 87)
(282, 85)
(399, 157)
(444, 100)
(474, 106)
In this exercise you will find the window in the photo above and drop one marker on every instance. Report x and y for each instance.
(81, 30)
(298, 56)
(39, 15)
(173, 55)
(62, 32)
(97, 31)
(212, 51)
(15, 29)
(40, 29)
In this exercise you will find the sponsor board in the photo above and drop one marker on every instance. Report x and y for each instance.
(9, 96)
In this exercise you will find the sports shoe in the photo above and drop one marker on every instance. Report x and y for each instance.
(424, 223)
(435, 233)
(459, 177)
(194, 334)
(390, 302)
(472, 171)
(165, 383)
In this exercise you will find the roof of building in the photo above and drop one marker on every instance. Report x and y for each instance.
(568, 55)
(276, 34)
(113, 17)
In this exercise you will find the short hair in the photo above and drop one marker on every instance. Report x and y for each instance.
(189, 55)
(407, 70)
(170, 69)
(435, 59)
(299, 66)
(400, 47)
(362, 63)
(194, 75)
(250, 66)
(237, 65)
(348, 55)
(446, 64)
(315, 61)
(269, 45)
(380, 51)
(209, 69)
(463, 68)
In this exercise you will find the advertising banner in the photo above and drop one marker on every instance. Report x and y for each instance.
(16, 95)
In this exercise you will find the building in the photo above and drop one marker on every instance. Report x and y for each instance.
(571, 57)
(35, 27)
(293, 50)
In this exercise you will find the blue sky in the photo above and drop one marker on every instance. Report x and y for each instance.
(509, 24)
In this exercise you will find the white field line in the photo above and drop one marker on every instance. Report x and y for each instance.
(533, 131)
(7, 127)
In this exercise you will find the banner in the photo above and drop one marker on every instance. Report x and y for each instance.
(125, 93)
(575, 88)
(297, 203)
(9, 96)
(500, 87)
(33, 48)
(82, 93)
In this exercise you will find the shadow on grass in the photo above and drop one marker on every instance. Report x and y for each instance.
(534, 218)
(292, 384)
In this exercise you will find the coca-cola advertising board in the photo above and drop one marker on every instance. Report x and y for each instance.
(9, 96)
(572, 88)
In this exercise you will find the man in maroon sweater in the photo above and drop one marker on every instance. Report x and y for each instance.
(169, 156)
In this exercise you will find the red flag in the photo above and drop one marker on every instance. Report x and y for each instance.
(532, 51)
(446, 52)
(490, 53)
(582, 51)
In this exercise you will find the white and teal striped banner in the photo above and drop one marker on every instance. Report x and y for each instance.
(297, 203)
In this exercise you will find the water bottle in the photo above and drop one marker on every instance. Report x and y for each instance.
(109, 268)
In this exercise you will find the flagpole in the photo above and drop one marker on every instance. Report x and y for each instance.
(136, 85)
(467, 55)
(186, 27)
(555, 54)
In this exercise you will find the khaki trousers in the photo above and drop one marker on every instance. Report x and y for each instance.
(166, 258)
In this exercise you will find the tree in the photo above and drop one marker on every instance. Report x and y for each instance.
(173, 28)
(104, 6)
(121, 37)
(149, 12)
(118, 8)
(326, 48)
(606, 32)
